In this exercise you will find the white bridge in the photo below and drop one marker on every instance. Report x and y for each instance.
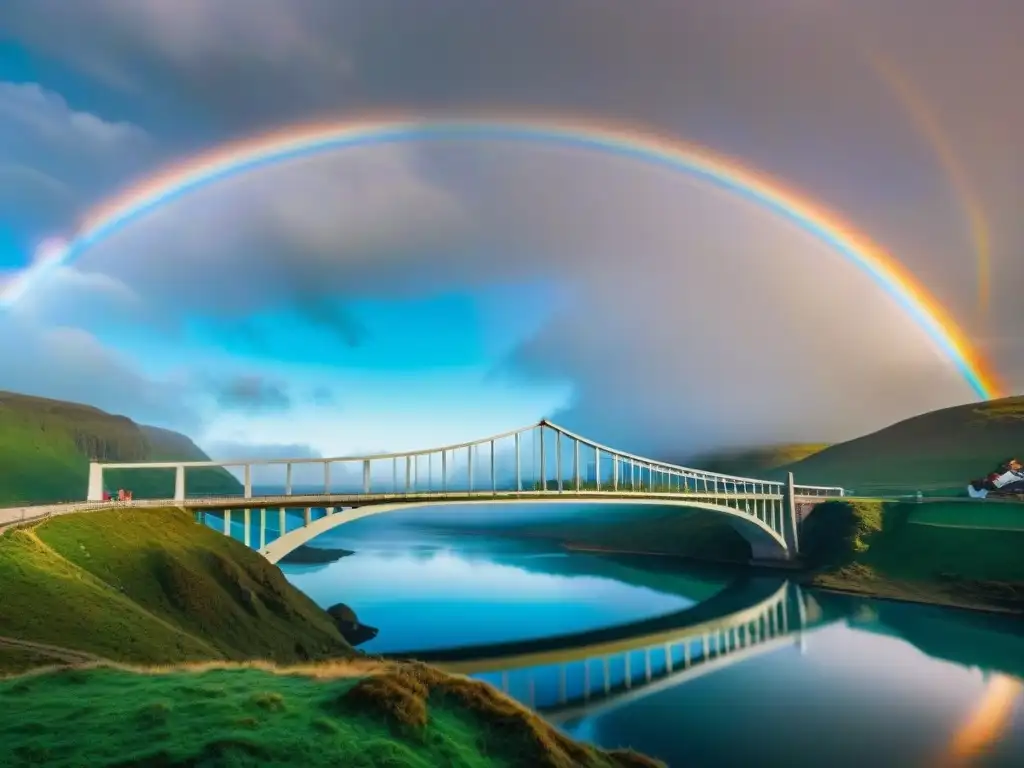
(541, 463)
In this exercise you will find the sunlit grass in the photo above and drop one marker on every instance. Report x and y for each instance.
(358, 713)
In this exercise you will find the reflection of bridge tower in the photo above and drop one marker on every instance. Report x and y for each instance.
(566, 684)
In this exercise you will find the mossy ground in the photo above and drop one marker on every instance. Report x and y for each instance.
(151, 586)
(360, 713)
(897, 550)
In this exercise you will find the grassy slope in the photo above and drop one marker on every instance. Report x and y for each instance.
(405, 715)
(939, 451)
(152, 586)
(877, 548)
(45, 446)
(754, 462)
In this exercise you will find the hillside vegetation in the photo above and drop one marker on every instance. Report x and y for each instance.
(754, 462)
(46, 445)
(891, 549)
(363, 714)
(151, 587)
(937, 452)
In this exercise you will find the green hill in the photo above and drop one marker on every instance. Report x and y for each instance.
(157, 590)
(46, 445)
(937, 452)
(754, 462)
(151, 586)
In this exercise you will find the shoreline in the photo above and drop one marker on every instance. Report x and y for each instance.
(935, 603)
(804, 579)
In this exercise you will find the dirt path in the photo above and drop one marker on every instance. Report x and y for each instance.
(68, 655)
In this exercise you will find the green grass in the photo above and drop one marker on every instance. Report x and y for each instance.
(937, 452)
(45, 447)
(404, 715)
(973, 514)
(152, 586)
(754, 462)
(879, 548)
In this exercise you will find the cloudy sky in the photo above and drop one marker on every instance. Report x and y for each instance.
(416, 293)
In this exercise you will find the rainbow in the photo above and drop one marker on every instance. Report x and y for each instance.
(929, 127)
(297, 142)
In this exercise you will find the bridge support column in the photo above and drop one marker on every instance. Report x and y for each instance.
(227, 522)
(308, 516)
(247, 473)
(247, 524)
(179, 482)
(288, 480)
(282, 522)
(519, 467)
(789, 523)
(263, 528)
(95, 490)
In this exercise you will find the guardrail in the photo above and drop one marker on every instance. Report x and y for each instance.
(33, 513)
(819, 490)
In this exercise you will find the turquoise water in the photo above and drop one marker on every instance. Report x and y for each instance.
(810, 679)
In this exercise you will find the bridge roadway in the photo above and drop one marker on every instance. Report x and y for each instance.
(593, 673)
(539, 463)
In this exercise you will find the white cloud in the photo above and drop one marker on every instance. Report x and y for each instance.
(29, 109)
(310, 229)
(53, 156)
(126, 43)
(71, 364)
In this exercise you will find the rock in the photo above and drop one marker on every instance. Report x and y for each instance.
(349, 626)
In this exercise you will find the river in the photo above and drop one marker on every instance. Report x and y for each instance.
(812, 679)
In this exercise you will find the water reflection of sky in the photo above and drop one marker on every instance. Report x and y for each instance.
(447, 598)
(853, 698)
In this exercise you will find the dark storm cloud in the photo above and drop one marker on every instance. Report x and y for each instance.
(745, 329)
(251, 393)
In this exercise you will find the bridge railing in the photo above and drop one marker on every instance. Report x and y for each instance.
(543, 456)
(830, 491)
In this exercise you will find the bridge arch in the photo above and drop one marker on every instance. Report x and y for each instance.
(765, 543)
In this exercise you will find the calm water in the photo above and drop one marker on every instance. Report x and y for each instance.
(800, 679)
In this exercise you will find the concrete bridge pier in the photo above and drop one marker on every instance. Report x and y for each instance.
(790, 527)
(179, 482)
(95, 491)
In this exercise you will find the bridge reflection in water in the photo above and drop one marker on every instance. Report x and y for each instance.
(565, 678)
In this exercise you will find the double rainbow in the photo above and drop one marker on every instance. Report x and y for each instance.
(302, 141)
